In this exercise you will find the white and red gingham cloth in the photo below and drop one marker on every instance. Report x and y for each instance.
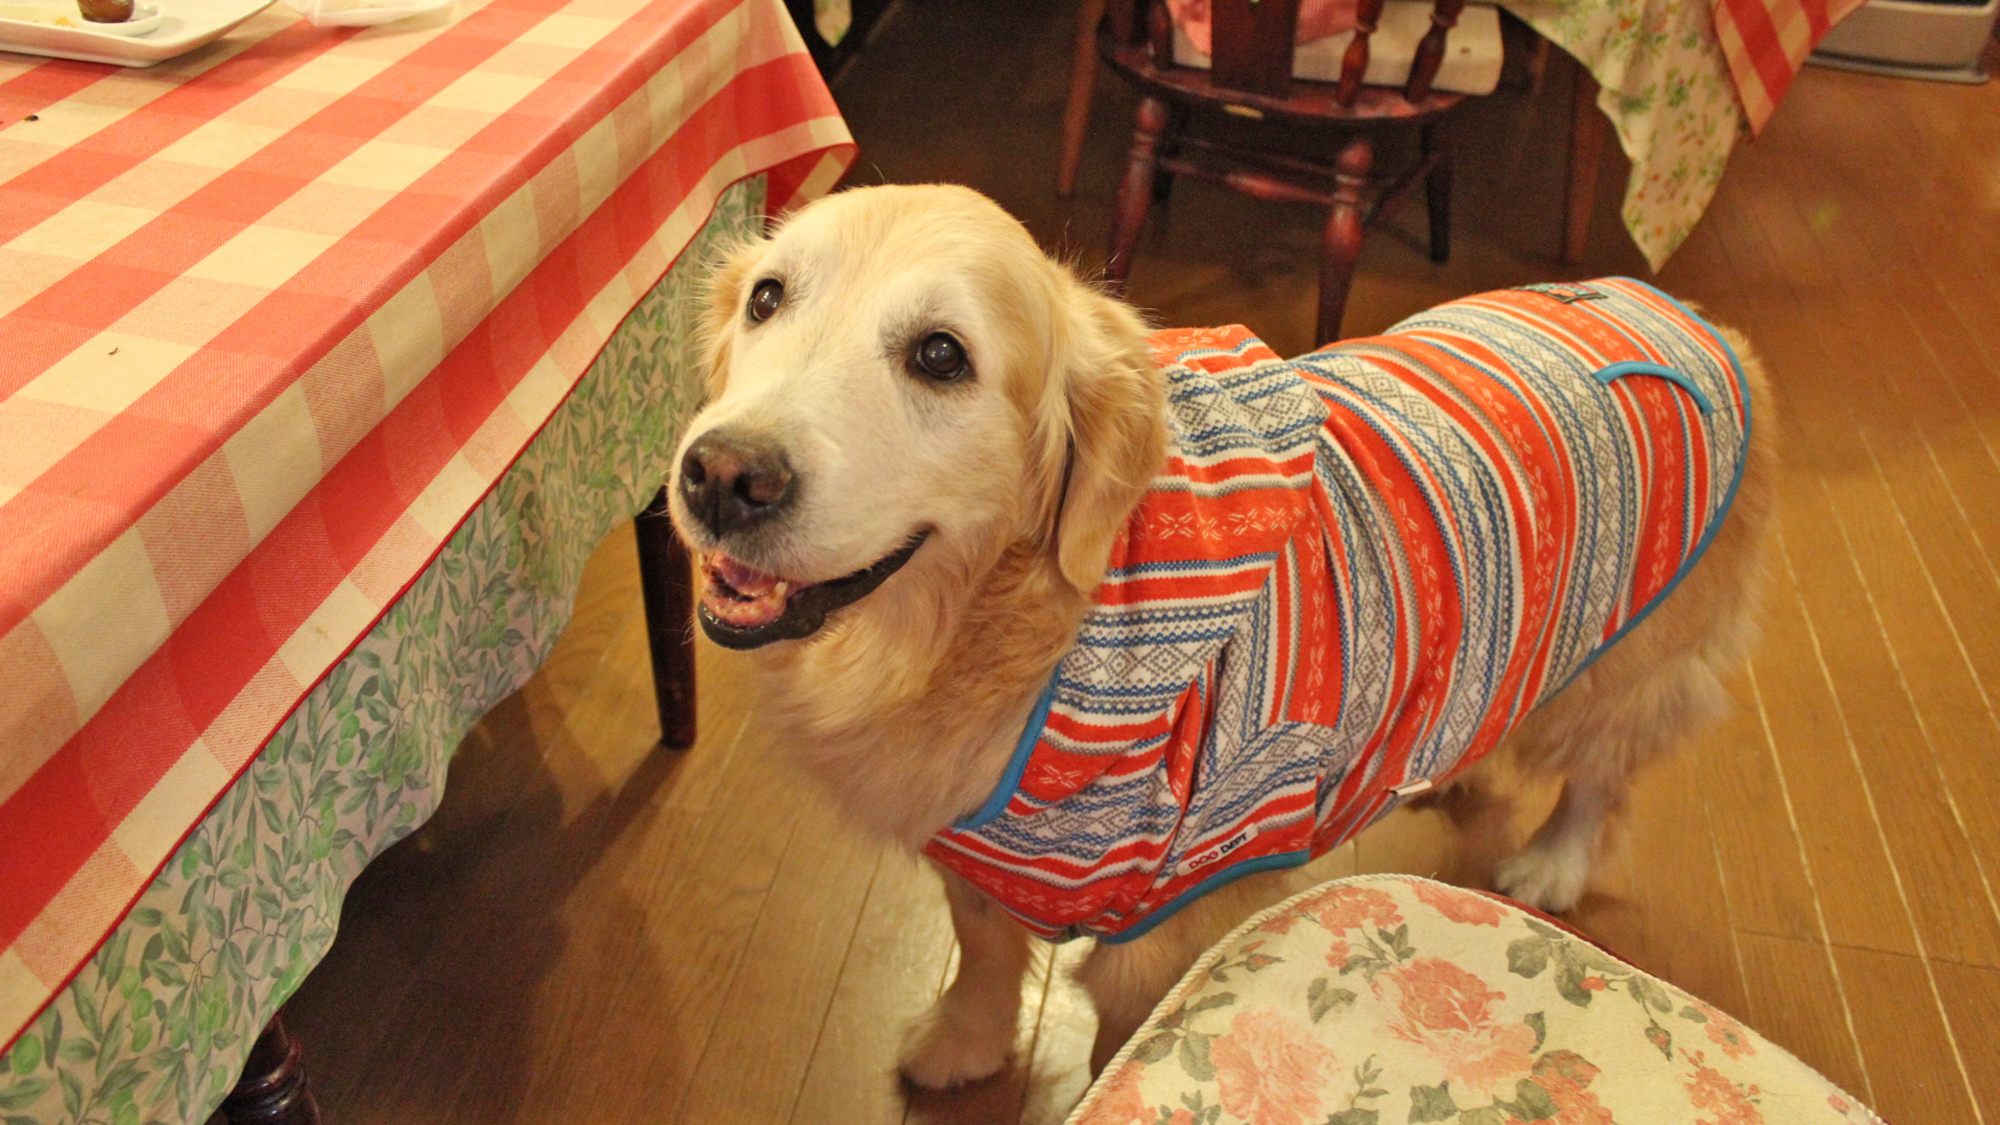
(1767, 41)
(273, 318)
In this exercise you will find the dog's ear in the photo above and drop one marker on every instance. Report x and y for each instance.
(1112, 430)
(722, 300)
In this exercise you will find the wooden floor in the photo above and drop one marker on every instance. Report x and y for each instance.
(591, 931)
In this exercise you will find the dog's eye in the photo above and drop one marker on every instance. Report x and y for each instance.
(941, 357)
(765, 299)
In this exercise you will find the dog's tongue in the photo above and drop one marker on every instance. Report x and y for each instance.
(740, 594)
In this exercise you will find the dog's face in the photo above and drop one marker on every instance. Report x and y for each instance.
(893, 380)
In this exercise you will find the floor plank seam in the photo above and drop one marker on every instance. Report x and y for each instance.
(1958, 504)
(846, 957)
(1895, 869)
(1944, 789)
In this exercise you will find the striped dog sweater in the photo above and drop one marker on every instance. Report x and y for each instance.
(1358, 571)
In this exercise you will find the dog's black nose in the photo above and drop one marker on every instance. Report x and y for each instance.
(733, 483)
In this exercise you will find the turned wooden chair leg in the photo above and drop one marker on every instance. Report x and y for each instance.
(1082, 83)
(1135, 191)
(1437, 194)
(666, 578)
(1342, 244)
(273, 1089)
(1587, 126)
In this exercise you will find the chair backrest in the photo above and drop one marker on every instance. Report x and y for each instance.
(1253, 45)
(1253, 41)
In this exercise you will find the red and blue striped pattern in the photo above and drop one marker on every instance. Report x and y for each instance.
(1359, 570)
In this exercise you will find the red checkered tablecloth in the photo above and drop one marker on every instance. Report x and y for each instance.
(1767, 41)
(273, 318)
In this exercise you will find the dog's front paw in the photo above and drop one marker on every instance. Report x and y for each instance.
(951, 1045)
(1548, 879)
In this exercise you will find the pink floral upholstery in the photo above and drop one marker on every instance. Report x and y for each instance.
(1388, 999)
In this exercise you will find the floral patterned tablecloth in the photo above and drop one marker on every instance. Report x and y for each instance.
(157, 1026)
(832, 18)
(1388, 999)
(1666, 87)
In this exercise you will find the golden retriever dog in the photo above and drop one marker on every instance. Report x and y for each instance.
(922, 440)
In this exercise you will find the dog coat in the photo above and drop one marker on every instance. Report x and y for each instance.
(1357, 572)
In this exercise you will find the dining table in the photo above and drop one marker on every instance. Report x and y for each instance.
(1679, 85)
(328, 353)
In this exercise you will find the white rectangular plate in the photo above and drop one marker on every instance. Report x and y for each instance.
(184, 25)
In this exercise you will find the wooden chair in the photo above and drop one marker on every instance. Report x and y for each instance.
(1251, 77)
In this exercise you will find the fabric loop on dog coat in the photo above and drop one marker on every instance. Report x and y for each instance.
(1359, 570)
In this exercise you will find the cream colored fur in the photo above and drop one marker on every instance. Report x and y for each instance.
(908, 703)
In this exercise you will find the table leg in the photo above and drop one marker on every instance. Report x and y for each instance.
(667, 579)
(1082, 80)
(1587, 127)
(273, 1089)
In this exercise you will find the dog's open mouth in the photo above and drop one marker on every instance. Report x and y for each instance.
(744, 607)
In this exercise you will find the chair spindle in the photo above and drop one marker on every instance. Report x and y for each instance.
(1354, 64)
(1159, 31)
(1430, 51)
